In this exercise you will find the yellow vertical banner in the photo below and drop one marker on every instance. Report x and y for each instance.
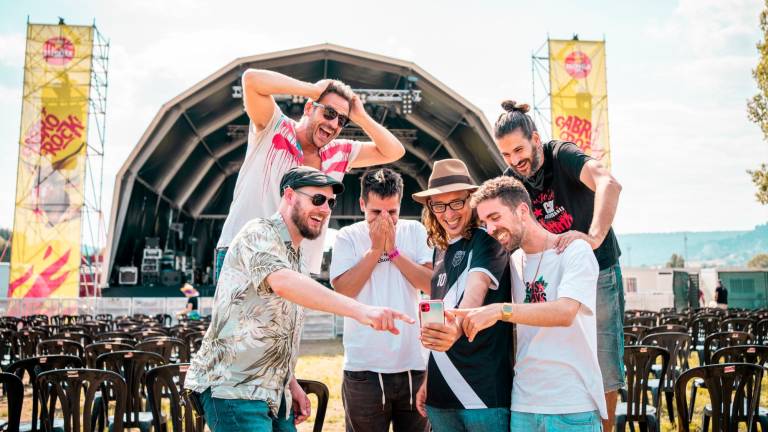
(45, 253)
(579, 96)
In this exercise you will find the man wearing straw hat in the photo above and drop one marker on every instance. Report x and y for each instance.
(469, 384)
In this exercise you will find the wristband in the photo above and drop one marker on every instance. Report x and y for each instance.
(394, 254)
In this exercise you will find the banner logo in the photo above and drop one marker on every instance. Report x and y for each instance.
(58, 51)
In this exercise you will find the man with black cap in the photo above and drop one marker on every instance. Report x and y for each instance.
(276, 143)
(244, 368)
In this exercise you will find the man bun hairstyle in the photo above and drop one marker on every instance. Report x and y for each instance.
(508, 190)
(384, 182)
(514, 117)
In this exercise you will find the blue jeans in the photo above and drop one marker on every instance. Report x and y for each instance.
(469, 420)
(234, 415)
(610, 327)
(576, 422)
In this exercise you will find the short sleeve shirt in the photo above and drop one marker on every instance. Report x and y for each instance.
(271, 152)
(251, 347)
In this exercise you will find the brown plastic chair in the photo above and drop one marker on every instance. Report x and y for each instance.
(13, 389)
(321, 391)
(678, 345)
(94, 350)
(639, 361)
(75, 392)
(734, 392)
(167, 382)
(173, 350)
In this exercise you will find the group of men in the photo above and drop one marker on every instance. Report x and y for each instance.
(533, 247)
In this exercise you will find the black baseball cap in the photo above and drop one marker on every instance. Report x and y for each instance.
(301, 176)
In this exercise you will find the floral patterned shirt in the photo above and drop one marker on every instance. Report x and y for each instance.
(251, 347)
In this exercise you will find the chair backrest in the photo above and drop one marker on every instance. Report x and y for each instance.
(9, 348)
(638, 361)
(173, 350)
(114, 334)
(737, 324)
(678, 345)
(34, 366)
(716, 341)
(28, 340)
(674, 319)
(668, 328)
(703, 326)
(168, 381)
(60, 346)
(146, 334)
(164, 319)
(761, 332)
(734, 393)
(79, 337)
(94, 350)
(754, 354)
(75, 392)
(321, 391)
(642, 320)
(637, 330)
(13, 389)
(104, 317)
(630, 339)
(133, 367)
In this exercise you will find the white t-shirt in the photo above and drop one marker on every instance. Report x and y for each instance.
(271, 153)
(364, 348)
(556, 369)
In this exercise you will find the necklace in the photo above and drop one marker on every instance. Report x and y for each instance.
(538, 266)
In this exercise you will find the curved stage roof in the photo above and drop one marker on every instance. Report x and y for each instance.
(184, 167)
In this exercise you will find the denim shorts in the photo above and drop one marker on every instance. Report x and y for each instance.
(235, 415)
(610, 327)
(460, 420)
(575, 422)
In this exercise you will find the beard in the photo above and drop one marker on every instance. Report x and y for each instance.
(535, 163)
(513, 240)
(299, 218)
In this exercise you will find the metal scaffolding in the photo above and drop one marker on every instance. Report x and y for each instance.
(540, 83)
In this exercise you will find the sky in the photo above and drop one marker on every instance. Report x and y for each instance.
(679, 76)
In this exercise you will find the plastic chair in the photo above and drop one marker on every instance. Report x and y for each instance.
(668, 328)
(321, 391)
(168, 382)
(34, 366)
(701, 327)
(60, 346)
(173, 350)
(13, 389)
(637, 330)
(68, 386)
(678, 345)
(94, 350)
(638, 361)
(737, 324)
(761, 332)
(133, 366)
(734, 391)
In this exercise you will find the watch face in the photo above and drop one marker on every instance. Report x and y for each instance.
(506, 308)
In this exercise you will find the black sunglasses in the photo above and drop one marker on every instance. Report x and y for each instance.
(456, 204)
(330, 113)
(319, 199)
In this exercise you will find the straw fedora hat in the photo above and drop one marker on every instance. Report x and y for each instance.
(448, 175)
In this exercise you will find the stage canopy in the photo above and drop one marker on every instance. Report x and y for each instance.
(183, 169)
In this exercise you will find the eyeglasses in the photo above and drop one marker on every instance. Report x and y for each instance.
(330, 113)
(319, 199)
(456, 204)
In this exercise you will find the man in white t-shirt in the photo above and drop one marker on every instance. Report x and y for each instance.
(382, 261)
(558, 385)
(277, 143)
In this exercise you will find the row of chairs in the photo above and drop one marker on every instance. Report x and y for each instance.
(113, 394)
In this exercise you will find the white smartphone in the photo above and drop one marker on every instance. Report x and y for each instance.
(431, 311)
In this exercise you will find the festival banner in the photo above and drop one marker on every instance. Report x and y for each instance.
(579, 95)
(45, 251)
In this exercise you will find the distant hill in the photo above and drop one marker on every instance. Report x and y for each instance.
(715, 248)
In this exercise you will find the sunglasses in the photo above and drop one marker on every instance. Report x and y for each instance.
(456, 204)
(330, 113)
(319, 199)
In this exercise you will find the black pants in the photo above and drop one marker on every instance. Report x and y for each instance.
(366, 411)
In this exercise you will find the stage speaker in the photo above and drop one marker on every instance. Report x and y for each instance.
(170, 277)
(127, 275)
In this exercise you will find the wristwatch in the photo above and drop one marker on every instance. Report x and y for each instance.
(506, 312)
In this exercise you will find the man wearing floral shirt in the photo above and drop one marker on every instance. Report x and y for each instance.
(244, 368)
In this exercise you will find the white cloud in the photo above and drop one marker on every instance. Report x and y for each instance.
(12, 49)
